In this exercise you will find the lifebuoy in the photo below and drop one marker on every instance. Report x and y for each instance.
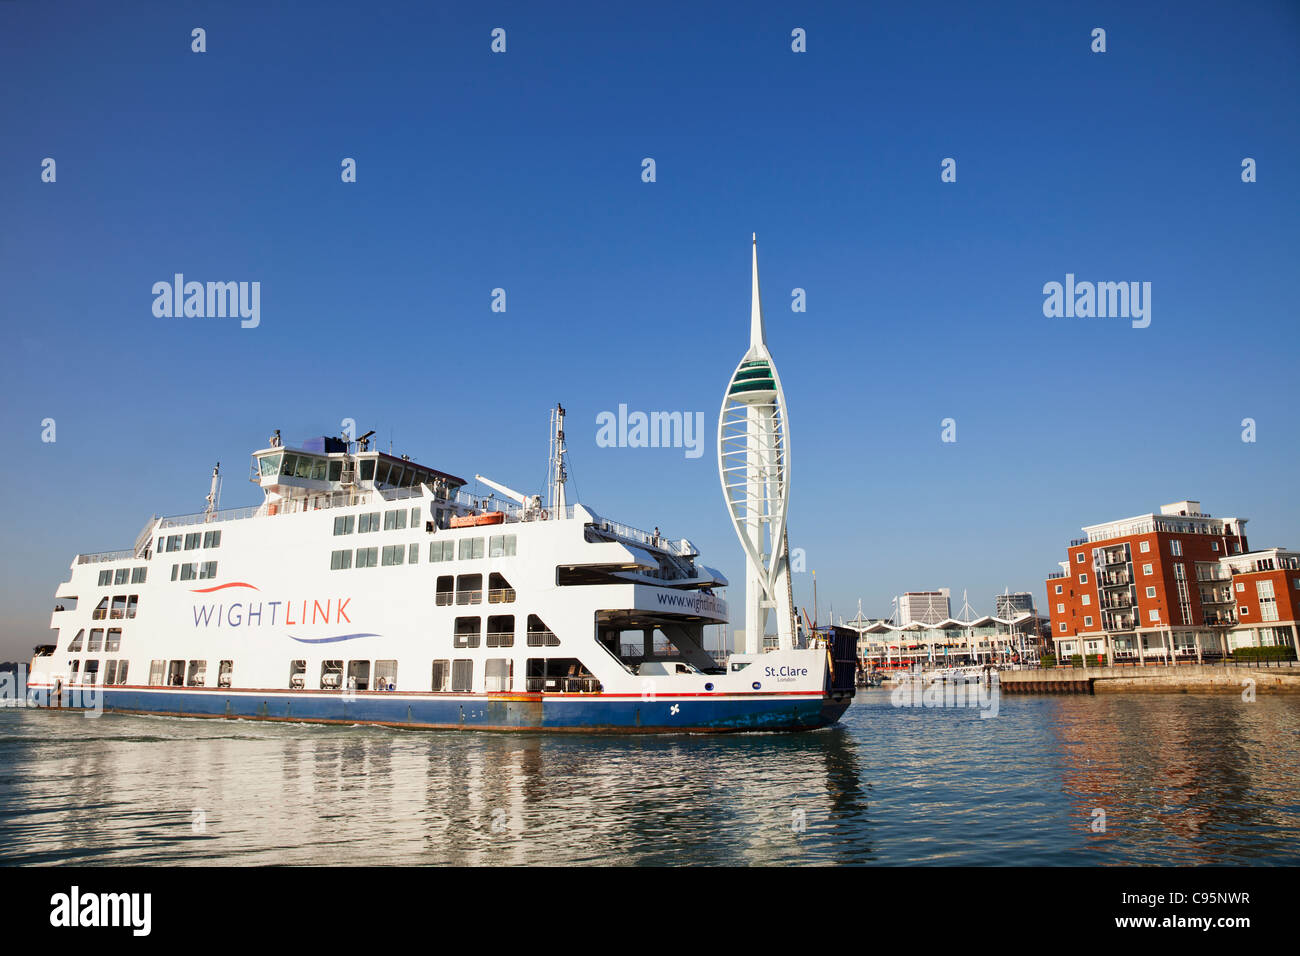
(545, 514)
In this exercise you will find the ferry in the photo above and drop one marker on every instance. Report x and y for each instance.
(367, 588)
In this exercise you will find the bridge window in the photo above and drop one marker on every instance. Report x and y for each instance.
(385, 675)
(367, 469)
(336, 469)
(268, 465)
(198, 674)
(297, 674)
(331, 675)
(304, 467)
(468, 631)
(318, 469)
(501, 630)
(441, 676)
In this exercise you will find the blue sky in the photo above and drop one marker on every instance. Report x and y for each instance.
(522, 171)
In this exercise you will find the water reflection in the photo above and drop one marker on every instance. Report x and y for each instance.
(1181, 779)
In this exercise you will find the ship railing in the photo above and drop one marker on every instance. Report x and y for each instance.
(542, 639)
(681, 548)
(444, 598)
(469, 597)
(123, 555)
(501, 596)
(564, 685)
(203, 517)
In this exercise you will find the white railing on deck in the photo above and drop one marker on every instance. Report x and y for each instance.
(105, 556)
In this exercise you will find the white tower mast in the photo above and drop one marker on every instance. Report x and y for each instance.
(754, 465)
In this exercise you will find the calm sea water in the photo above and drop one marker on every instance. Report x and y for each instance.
(1182, 779)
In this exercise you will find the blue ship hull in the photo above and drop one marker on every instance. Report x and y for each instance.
(497, 712)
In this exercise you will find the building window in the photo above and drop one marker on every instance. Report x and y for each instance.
(367, 557)
(470, 549)
(539, 635)
(1085, 600)
(1151, 592)
(340, 560)
(1059, 588)
(1078, 558)
(444, 590)
(442, 550)
(91, 673)
(393, 553)
(1267, 600)
(1087, 622)
(1175, 547)
(469, 589)
(1243, 610)
(1060, 609)
(175, 673)
(1241, 587)
(113, 643)
(1062, 627)
(1146, 570)
(344, 524)
(1214, 546)
(1083, 579)
(1153, 615)
(501, 546)
(415, 517)
(1144, 546)
(467, 633)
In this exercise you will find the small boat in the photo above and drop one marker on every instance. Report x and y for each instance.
(474, 521)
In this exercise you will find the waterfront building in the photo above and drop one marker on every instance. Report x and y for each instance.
(1178, 585)
(926, 607)
(1009, 604)
(985, 639)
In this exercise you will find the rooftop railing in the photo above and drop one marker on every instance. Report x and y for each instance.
(124, 555)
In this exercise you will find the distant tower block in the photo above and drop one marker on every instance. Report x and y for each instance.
(754, 464)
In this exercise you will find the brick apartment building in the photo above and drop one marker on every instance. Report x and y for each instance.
(1178, 585)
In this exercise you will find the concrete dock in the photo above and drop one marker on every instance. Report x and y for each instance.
(1157, 678)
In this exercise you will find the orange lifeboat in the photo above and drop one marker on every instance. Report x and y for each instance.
(473, 521)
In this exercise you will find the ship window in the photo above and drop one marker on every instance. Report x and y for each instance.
(101, 611)
(175, 673)
(444, 590)
(441, 676)
(121, 671)
(268, 465)
(74, 646)
(96, 642)
(175, 571)
(393, 554)
(297, 674)
(290, 463)
(318, 469)
(340, 560)
(367, 557)
(368, 522)
(132, 603)
(469, 589)
(91, 675)
(331, 675)
(394, 520)
(114, 642)
(358, 675)
(72, 672)
(462, 676)
(381, 472)
(212, 539)
(198, 674)
(415, 517)
(156, 671)
(335, 470)
(408, 480)
(497, 673)
(208, 569)
(192, 541)
(173, 542)
(470, 548)
(385, 675)
(118, 610)
(344, 524)
(120, 575)
(501, 546)
(138, 575)
(413, 554)
(188, 572)
(110, 672)
(225, 673)
(105, 579)
(442, 550)
(501, 630)
(303, 468)
(539, 635)
(367, 469)
(467, 631)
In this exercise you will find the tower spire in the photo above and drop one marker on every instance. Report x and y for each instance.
(757, 334)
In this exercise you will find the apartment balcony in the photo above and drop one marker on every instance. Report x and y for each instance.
(1115, 579)
(1216, 597)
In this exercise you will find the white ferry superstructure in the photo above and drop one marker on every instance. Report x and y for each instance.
(369, 589)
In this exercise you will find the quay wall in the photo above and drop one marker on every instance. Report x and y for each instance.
(1157, 678)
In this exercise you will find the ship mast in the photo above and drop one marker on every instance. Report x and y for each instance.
(557, 474)
(214, 493)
